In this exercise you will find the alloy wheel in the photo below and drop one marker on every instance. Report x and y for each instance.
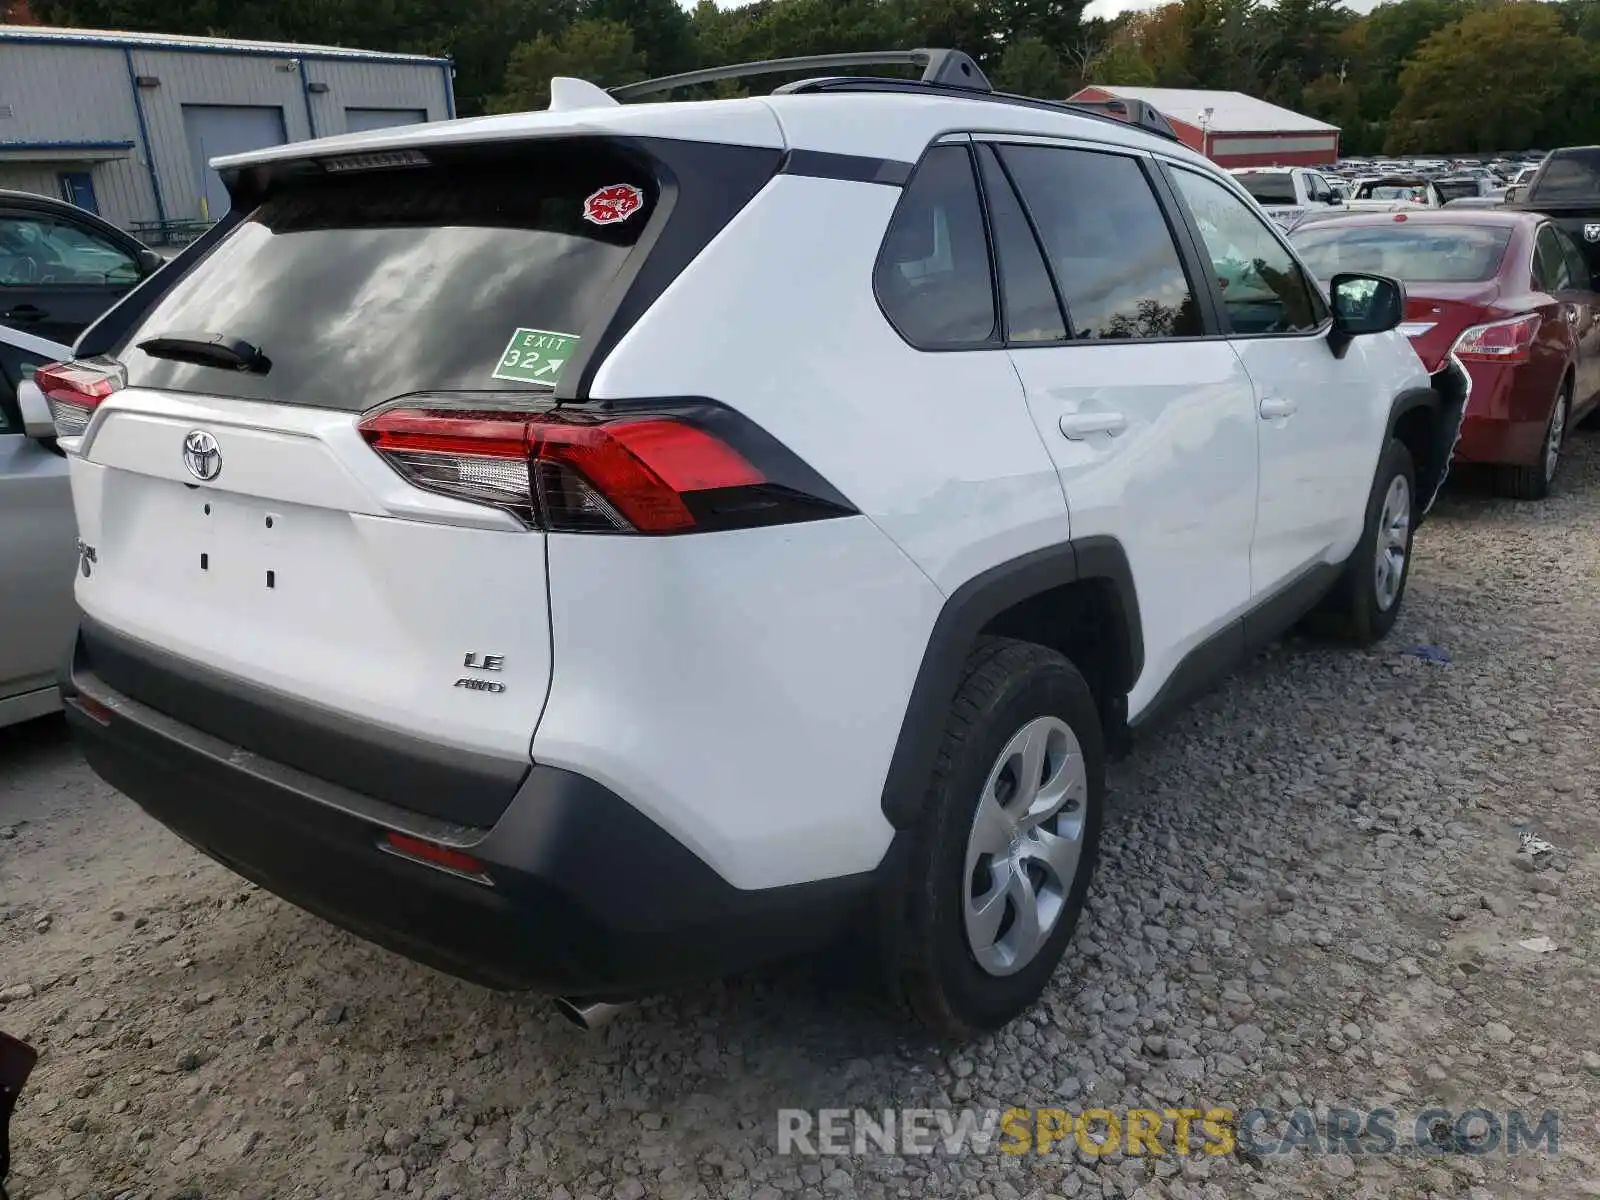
(1025, 845)
(1394, 538)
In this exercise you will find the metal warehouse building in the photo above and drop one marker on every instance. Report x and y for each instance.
(1232, 129)
(125, 123)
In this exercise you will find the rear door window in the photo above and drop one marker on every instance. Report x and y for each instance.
(361, 287)
(42, 251)
(1577, 265)
(1109, 245)
(1032, 310)
(1550, 263)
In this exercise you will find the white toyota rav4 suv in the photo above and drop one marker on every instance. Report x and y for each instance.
(592, 549)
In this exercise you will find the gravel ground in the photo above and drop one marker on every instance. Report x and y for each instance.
(1311, 893)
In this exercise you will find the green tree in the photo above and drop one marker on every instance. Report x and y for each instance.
(1121, 65)
(1030, 68)
(1499, 78)
(601, 52)
(661, 31)
(1385, 41)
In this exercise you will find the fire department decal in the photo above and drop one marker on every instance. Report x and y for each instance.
(613, 204)
(1591, 232)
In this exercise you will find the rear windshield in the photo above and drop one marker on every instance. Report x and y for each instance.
(1392, 191)
(1570, 175)
(479, 274)
(1410, 253)
(1454, 189)
(1269, 187)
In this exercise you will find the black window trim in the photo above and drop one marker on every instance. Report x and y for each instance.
(1038, 245)
(1197, 247)
(996, 338)
(44, 216)
(1211, 324)
(10, 402)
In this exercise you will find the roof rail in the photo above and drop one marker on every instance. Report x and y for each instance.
(945, 68)
(1131, 112)
(941, 69)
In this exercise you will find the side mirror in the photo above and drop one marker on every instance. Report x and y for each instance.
(150, 262)
(36, 419)
(1363, 304)
(1513, 193)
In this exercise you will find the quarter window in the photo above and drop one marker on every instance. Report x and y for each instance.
(933, 277)
(1113, 255)
(1263, 288)
(40, 251)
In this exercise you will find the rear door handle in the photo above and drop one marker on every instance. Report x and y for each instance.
(1077, 426)
(26, 312)
(1278, 406)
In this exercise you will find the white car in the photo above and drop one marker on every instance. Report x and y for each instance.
(603, 547)
(37, 539)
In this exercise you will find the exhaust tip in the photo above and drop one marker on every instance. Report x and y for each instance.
(586, 1014)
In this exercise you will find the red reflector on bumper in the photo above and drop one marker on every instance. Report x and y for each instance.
(90, 708)
(432, 854)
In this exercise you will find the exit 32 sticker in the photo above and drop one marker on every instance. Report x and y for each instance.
(536, 356)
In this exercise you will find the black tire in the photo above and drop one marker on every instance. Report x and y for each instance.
(931, 970)
(1533, 482)
(1353, 611)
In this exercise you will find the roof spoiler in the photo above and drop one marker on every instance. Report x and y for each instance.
(943, 69)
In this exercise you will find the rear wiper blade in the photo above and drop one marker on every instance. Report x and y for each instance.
(209, 350)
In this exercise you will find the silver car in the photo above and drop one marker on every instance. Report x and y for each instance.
(38, 534)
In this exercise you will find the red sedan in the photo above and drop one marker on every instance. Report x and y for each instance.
(1508, 297)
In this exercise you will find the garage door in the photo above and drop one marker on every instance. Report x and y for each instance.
(214, 130)
(358, 119)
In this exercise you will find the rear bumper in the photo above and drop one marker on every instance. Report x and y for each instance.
(586, 896)
(1506, 416)
(1498, 440)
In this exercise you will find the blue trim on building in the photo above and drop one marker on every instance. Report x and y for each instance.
(305, 94)
(302, 52)
(144, 134)
(449, 69)
(5, 146)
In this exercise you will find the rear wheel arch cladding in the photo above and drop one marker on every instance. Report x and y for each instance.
(970, 612)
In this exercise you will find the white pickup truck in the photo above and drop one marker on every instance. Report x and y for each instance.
(1293, 195)
(1289, 193)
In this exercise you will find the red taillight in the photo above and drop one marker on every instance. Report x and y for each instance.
(567, 472)
(434, 855)
(75, 389)
(1506, 341)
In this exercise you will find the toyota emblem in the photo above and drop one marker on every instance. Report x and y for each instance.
(202, 455)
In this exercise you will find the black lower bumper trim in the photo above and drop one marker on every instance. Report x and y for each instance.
(457, 785)
(587, 896)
